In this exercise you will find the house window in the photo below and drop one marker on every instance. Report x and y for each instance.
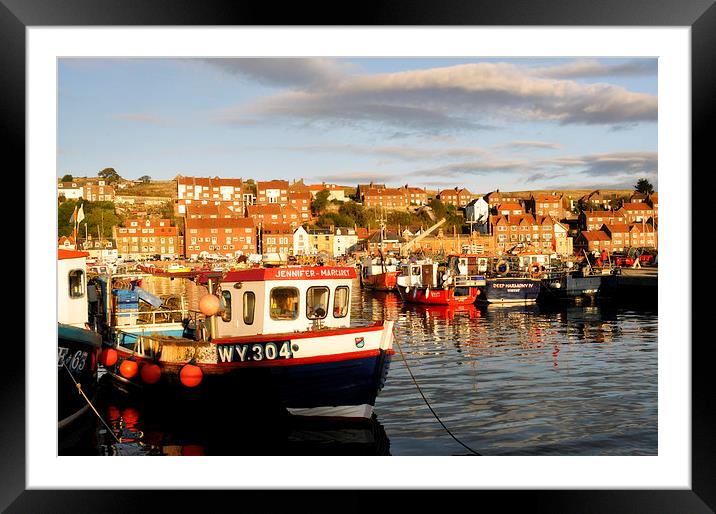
(284, 303)
(316, 302)
(77, 283)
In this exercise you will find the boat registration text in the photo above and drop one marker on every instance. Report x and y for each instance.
(255, 352)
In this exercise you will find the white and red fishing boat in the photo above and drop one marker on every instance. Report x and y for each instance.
(433, 283)
(378, 273)
(278, 337)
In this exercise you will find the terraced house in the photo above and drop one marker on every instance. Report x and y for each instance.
(228, 192)
(226, 237)
(144, 238)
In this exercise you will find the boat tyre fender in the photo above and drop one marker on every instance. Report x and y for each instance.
(502, 267)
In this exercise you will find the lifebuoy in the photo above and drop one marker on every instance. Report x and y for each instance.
(535, 269)
(502, 267)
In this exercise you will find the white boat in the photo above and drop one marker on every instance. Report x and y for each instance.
(78, 344)
(270, 337)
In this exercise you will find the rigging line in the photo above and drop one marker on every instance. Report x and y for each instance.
(79, 388)
(428, 403)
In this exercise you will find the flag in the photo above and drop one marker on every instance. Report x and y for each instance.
(81, 213)
(73, 219)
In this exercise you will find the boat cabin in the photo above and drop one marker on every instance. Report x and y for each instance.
(279, 300)
(72, 287)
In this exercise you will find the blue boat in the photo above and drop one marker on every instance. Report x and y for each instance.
(506, 283)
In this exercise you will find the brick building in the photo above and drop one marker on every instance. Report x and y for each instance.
(457, 197)
(264, 215)
(388, 198)
(144, 238)
(272, 192)
(228, 192)
(227, 237)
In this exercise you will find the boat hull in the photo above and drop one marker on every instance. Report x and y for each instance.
(77, 356)
(381, 281)
(570, 287)
(335, 374)
(424, 296)
(505, 290)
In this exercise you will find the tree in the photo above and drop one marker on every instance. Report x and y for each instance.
(110, 175)
(644, 186)
(320, 202)
(66, 178)
(146, 179)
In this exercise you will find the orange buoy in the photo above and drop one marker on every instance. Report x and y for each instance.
(128, 368)
(108, 357)
(190, 375)
(209, 304)
(150, 373)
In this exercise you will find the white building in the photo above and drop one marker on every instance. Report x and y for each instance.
(343, 240)
(301, 242)
(70, 190)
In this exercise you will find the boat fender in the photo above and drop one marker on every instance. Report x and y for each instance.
(535, 270)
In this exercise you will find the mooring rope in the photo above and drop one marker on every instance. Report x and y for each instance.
(79, 388)
(428, 403)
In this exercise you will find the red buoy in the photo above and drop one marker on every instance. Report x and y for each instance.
(150, 373)
(190, 375)
(108, 357)
(128, 368)
(209, 304)
(192, 449)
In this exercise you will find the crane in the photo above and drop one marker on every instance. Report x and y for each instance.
(405, 249)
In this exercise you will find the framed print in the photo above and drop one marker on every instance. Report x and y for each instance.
(50, 54)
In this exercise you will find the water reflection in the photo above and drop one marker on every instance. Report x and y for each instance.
(160, 428)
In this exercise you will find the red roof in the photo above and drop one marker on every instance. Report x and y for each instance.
(637, 206)
(595, 235)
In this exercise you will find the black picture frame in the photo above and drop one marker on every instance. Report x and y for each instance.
(699, 15)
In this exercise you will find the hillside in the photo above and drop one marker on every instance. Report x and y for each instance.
(154, 188)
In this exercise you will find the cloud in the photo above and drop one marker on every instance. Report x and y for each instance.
(455, 98)
(279, 71)
(360, 176)
(529, 144)
(584, 68)
(405, 153)
(628, 164)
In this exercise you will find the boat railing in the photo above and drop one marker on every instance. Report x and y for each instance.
(469, 280)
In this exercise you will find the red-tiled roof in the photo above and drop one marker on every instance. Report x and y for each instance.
(636, 206)
(272, 184)
(595, 235)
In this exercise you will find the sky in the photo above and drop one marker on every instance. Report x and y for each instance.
(484, 124)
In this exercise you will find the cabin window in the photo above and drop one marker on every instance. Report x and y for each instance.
(284, 303)
(340, 302)
(249, 306)
(416, 271)
(226, 307)
(77, 283)
(317, 302)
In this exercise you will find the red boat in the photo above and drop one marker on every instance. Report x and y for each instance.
(431, 283)
(379, 274)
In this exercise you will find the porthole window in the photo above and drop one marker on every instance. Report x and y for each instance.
(226, 306)
(249, 307)
(340, 302)
(284, 303)
(317, 302)
(77, 283)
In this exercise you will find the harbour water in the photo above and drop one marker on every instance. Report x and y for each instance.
(568, 379)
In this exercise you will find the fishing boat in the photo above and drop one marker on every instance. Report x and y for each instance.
(275, 339)
(78, 344)
(507, 283)
(429, 282)
(378, 273)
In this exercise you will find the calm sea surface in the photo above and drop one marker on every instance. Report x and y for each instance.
(524, 380)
